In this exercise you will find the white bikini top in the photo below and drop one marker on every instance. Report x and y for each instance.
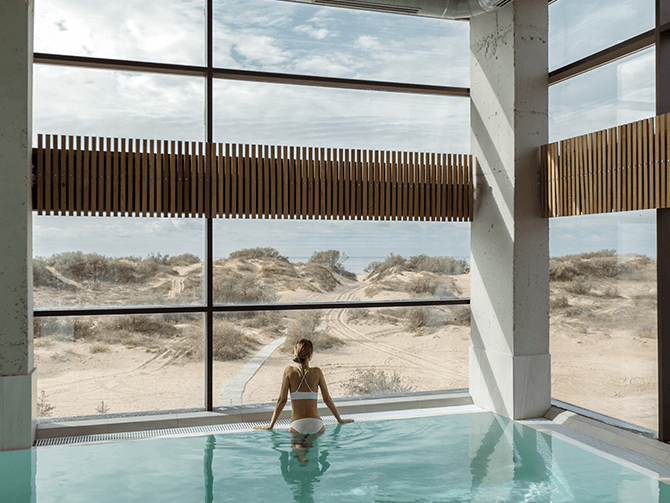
(304, 395)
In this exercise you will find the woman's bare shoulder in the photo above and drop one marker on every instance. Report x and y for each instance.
(290, 369)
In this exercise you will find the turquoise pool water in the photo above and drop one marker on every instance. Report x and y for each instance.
(477, 457)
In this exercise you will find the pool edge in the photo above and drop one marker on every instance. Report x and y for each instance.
(242, 414)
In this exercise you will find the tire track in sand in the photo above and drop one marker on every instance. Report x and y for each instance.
(335, 319)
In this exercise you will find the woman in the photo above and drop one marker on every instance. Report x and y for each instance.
(302, 383)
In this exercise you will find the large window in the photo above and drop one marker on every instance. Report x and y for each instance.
(122, 302)
(603, 310)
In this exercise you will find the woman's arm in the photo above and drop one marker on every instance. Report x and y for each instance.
(281, 402)
(329, 401)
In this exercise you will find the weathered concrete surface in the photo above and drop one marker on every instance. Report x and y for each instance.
(16, 326)
(509, 357)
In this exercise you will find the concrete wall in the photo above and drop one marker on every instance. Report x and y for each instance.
(17, 376)
(509, 353)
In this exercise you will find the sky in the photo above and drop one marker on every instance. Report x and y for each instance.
(279, 36)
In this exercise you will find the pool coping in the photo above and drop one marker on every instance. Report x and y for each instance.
(617, 436)
(239, 414)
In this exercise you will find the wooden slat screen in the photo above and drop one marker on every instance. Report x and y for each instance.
(623, 168)
(111, 176)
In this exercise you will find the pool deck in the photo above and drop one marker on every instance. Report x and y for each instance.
(619, 444)
(636, 449)
(240, 414)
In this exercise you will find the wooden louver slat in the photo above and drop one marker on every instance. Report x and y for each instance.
(118, 176)
(623, 168)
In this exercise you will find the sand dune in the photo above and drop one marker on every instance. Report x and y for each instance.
(602, 344)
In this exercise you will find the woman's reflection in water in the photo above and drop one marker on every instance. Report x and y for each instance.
(303, 465)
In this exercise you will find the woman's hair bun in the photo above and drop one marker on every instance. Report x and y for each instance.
(303, 350)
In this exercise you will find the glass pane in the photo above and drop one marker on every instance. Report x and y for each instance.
(168, 31)
(272, 114)
(287, 37)
(578, 29)
(117, 261)
(614, 94)
(288, 261)
(603, 309)
(369, 352)
(98, 365)
(80, 101)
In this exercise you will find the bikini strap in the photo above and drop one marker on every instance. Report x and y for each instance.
(303, 380)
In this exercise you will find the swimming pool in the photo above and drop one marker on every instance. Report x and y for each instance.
(475, 457)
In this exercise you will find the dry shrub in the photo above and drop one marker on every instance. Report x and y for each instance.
(579, 287)
(600, 264)
(258, 253)
(610, 292)
(44, 327)
(416, 319)
(306, 326)
(265, 319)
(43, 277)
(232, 287)
(437, 265)
(381, 269)
(96, 268)
(149, 332)
(417, 263)
(368, 382)
(155, 325)
(99, 348)
(321, 275)
(422, 285)
(558, 302)
(229, 343)
(184, 259)
(458, 315)
(83, 329)
(44, 407)
(575, 312)
(358, 315)
(334, 260)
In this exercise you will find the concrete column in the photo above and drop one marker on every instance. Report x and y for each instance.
(17, 373)
(509, 353)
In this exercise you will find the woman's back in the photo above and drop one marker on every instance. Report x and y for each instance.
(303, 388)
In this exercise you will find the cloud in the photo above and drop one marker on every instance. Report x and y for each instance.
(367, 42)
(260, 49)
(310, 31)
(334, 65)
